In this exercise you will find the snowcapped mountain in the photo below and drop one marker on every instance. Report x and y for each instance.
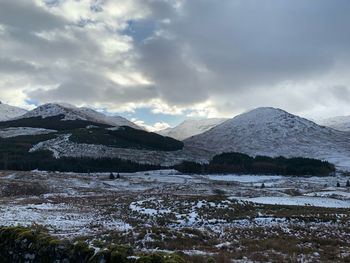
(274, 132)
(340, 123)
(71, 112)
(190, 128)
(111, 120)
(8, 112)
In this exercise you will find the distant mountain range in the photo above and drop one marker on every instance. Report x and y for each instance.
(54, 131)
(340, 123)
(44, 136)
(190, 128)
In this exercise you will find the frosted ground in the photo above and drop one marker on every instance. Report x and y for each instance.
(225, 216)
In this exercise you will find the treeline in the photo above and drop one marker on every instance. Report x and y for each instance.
(244, 164)
(14, 155)
(45, 162)
(53, 123)
(126, 137)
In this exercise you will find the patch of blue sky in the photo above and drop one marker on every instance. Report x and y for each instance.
(149, 117)
(140, 30)
(32, 102)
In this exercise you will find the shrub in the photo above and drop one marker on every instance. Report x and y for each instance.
(23, 189)
(20, 244)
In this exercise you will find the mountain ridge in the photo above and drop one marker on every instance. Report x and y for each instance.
(8, 112)
(340, 123)
(191, 127)
(263, 131)
(72, 112)
(274, 132)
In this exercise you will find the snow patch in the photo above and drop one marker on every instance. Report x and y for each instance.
(23, 131)
(245, 178)
(300, 201)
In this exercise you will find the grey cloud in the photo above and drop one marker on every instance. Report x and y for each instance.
(17, 66)
(86, 87)
(25, 15)
(246, 46)
(340, 93)
(71, 59)
(176, 81)
(236, 53)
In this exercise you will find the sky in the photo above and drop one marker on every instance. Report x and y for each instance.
(159, 62)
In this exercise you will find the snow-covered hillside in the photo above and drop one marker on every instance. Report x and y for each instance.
(74, 113)
(63, 147)
(274, 132)
(23, 131)
(190, 128)
(8, 112)
(340, 123)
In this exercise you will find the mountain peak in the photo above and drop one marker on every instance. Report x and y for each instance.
(72, 112)
(274, 132)
(8, 112)
(266, 111)
(269, 116)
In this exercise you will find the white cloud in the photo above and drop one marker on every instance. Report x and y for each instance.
(158, 126)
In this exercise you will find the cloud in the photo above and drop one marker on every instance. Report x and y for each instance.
(180, 57)
(24, 16)
(242, 54)
(158, 126)
(70, 51)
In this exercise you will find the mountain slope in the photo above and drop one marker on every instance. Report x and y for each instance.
(340, 123)
(42, 136)
(71, 112)
(274, 132)
(8, 112)
(190, 128)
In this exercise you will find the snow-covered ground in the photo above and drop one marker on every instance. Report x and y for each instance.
(164, 207)
(245, 178)
(63, 147)
(344, 194)
(300, 201)
(23, 131)
(59, 218)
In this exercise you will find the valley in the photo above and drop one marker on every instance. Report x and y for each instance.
(264, 186)
(226, 217)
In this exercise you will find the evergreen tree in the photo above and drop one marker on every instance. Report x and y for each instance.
(262, 186)
(118, 176)
(338, 184)
(347, 183)
(111, 176)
